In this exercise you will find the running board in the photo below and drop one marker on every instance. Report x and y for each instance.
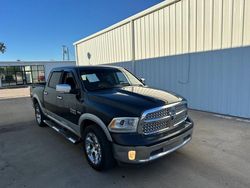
(66, 133)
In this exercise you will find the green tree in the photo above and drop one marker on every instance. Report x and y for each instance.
(2, 47)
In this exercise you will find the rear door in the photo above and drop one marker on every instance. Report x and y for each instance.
(50, 94)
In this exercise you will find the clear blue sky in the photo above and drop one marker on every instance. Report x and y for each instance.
(36, 29)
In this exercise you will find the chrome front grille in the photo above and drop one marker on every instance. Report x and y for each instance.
(163, 118)
(158, 114)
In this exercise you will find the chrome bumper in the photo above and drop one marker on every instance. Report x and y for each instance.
(150, 153)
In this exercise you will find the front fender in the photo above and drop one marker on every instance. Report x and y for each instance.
(98, 121)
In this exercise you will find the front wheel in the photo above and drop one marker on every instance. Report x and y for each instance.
(97, 148)
(39, 116)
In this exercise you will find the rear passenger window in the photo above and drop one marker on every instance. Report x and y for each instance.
(55, 79)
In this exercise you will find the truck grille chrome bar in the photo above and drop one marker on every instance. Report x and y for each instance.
(163, 118)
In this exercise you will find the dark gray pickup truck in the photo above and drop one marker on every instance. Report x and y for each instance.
(113, 113)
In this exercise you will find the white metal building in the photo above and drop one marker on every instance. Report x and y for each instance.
(15, 73)
(197, 48)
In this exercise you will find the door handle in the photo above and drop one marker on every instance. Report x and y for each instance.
(45, 93)
(59, 97)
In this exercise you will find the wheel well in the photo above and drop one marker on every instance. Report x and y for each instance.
(85, 124)
(35, 101)
(90, 119)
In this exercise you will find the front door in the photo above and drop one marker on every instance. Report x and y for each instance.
(69, 101)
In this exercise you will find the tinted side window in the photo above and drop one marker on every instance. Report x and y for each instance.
(55, 79)
(68, 78)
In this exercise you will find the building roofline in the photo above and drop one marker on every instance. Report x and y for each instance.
(129, 19)
(42, 61)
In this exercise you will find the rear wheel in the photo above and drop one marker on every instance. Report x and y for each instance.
(39, 116)
(97, 148)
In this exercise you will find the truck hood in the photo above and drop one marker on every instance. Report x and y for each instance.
(133, 100)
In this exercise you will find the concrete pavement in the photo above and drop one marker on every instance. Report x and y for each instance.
(30, 156)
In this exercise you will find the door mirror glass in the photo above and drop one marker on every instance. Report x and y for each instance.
(63, 88)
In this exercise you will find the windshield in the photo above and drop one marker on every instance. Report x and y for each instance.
(103, 78)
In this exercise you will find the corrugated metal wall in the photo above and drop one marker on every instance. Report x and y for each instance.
(112, 46)
(214, 81)
(173, 28)
(193, 26)
(197, 48)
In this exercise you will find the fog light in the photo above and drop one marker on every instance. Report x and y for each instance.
(131, 155)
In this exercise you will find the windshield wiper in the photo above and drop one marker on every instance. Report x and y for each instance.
(122, 85)
(111, 87)
(101, 88)
(137, 85)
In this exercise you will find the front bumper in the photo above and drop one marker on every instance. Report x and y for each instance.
(149, 153)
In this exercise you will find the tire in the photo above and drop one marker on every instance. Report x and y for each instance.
(39, 116)
(102, 155)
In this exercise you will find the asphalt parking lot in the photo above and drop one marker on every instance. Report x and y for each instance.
(30, 156)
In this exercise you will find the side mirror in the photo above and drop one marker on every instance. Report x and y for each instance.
(142, 80)
(63, 88)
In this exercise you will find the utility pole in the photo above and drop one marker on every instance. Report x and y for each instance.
(65, 53)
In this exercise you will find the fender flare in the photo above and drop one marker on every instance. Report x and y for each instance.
(98, 121)
(38, 100)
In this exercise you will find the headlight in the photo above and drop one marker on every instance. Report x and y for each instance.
(123, 124)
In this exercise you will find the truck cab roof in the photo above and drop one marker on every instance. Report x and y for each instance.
(89, 67)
